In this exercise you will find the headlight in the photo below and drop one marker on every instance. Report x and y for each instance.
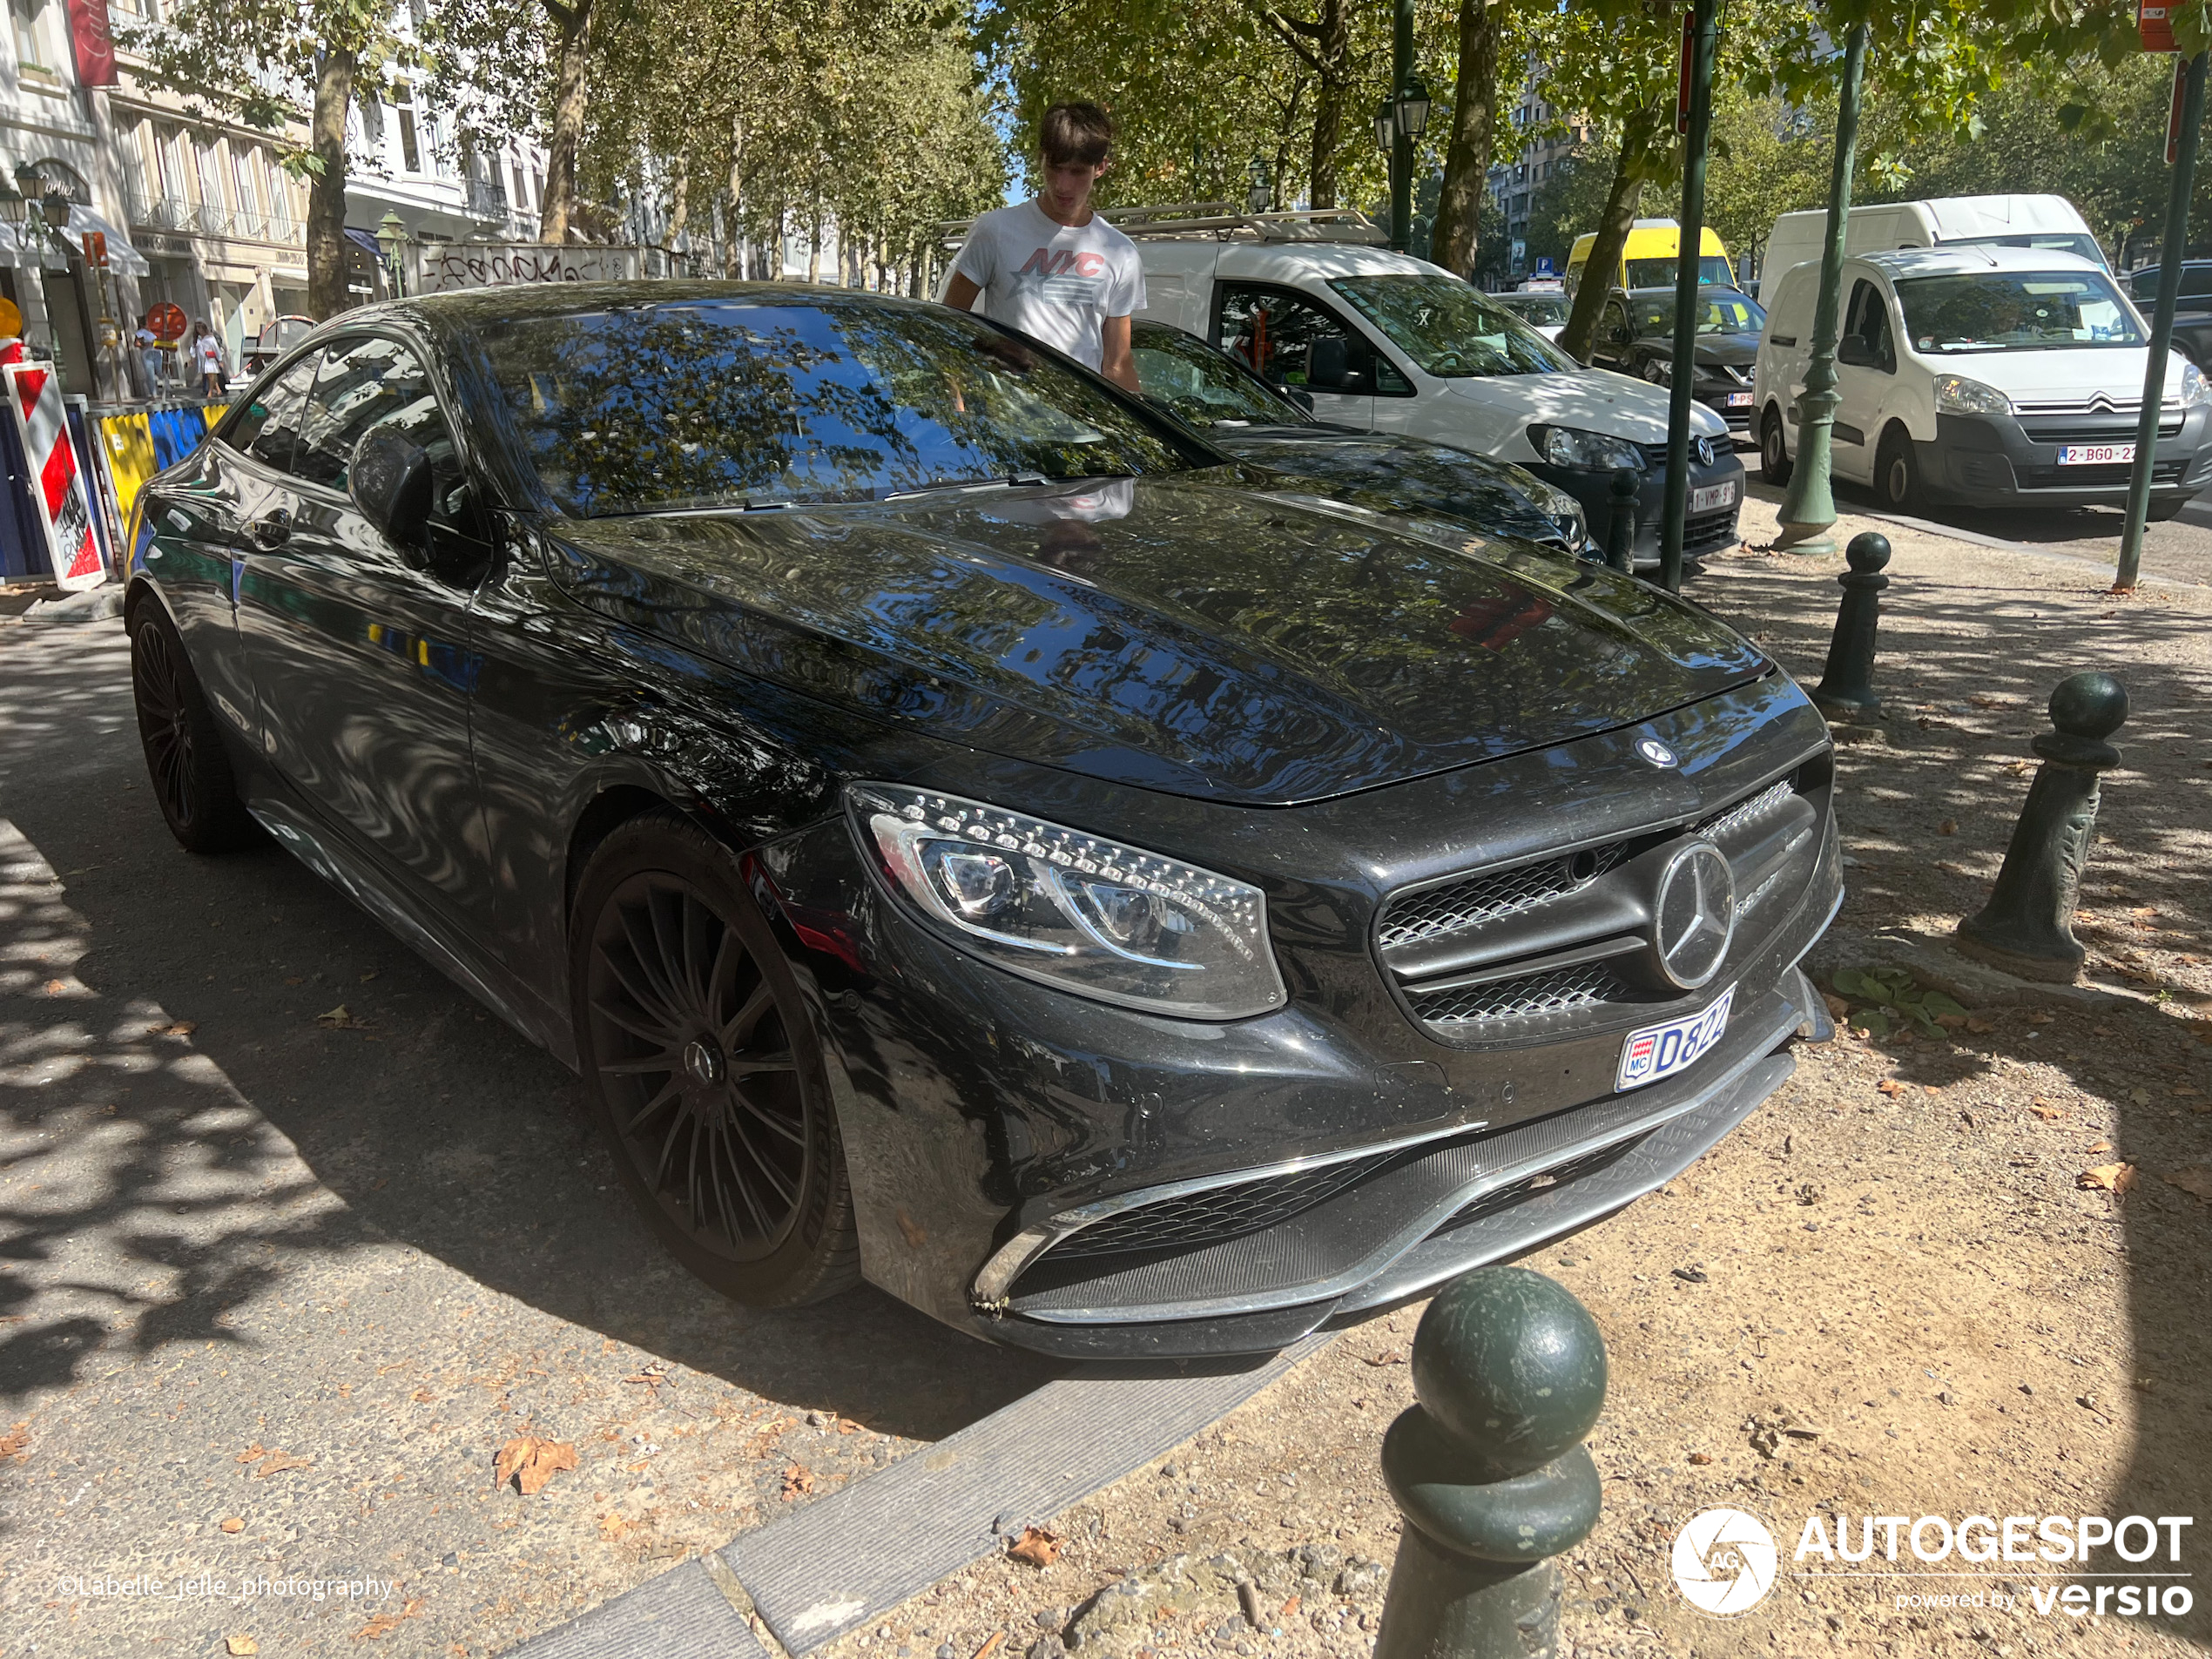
(2195, 388)
(1580, 451)
(1956, 395)
(1072, 910)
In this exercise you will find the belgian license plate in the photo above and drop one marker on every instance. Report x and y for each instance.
(1659, 1051)
(1739, 399)
(2095, 455)
(1713, 498)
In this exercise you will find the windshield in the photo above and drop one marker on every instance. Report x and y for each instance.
(2050, 241)
(718, 404)
(1537, 310)
(2014, 311)
(1660, 274)
(1202, 386)
(1718, 314)
(1450, 330)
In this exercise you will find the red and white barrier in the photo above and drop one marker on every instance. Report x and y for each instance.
(36, 400)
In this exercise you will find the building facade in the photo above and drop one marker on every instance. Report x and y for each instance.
(1514, 184)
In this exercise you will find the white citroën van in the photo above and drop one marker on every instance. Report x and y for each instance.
(1988, 376)
(2049, 222)
(1384, 342)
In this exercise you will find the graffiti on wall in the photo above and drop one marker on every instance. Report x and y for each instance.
(439, 267)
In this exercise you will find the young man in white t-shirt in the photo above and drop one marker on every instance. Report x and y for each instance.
(1052, 268)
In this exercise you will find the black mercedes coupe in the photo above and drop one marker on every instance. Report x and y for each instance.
(969, 833)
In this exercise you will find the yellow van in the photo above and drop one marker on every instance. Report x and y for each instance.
(1648, 260)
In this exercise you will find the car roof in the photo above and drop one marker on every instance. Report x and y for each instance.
(1291, 262)
(1667, 293)
(467, 309)
(1969, 259)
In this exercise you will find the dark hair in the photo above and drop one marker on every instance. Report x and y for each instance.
(1075, 135)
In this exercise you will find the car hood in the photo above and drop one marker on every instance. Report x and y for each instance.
(1596, 400)
(2061, 375)
(1190, 634)
(1391, 472)
(1739, 350)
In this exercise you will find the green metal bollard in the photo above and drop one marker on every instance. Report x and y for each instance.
(1846, 688)
(1489, 1468)
(1621, 522)
(2028, 926)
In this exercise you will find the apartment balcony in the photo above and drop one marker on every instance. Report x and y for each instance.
(213, 219)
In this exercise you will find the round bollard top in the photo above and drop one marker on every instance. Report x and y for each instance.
(1624, 484)
(1868, 552)
(2089, 705)
(1511, 1366)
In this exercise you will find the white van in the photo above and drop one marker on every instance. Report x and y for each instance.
(1385, 342)
(2002, 221)
(1992, 376)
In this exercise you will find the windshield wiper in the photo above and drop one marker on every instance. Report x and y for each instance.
(1007, 480)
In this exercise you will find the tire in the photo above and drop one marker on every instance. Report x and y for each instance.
(185, 761)
(1896, 474)
(703, 1071)
(1775, 465)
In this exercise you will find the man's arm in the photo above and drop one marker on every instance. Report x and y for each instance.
(961, 296)
(1115, 362)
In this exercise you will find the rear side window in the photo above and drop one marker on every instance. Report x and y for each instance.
(266, 428)
(1273, 333)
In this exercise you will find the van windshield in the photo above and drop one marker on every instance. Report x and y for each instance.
(2048, 242)
(1660, 274)
(1449, 329)
(2015, 311)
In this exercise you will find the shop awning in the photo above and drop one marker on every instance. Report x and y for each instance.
(121, 256)
(364, 241)
(22, 252)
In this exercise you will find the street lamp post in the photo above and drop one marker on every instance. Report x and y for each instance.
(2181, 147)
(1810, 507)
(391, 237)
(1688, 250)
(1259, 195)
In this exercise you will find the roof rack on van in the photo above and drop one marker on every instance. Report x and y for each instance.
(1224, 221)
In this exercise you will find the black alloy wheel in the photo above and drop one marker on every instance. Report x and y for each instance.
(1775, 465)
(709, 1083)
(1896, 476)
(192, 776)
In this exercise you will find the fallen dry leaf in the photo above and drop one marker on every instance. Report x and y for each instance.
(422, 1396)
(530, 1462)
(1891, 1087)
(1387, 1357)
(1983, 701)
(1837, 1008)
(175, 1028)
(278, 1462)
(16, 1441)
(2107, 1177)
(2041, 1018)
(1701, 1456)
(990, 1644)
(2101, 1146)
(1949, 826)
(797, 1482)
(240, 1644)
(232, 1523)
(2045, 1110)
(613, 1527)
(2196, 1181)
(254, 1453)
(1980, 1027)
(385, 1623)
(1932, 1089)
(1034, 1545)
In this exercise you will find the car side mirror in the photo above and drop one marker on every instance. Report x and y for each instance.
(1853, 352)
(1298, 395)
(389, 480)
(1335, 364)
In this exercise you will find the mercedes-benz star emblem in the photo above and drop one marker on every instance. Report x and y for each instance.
(1656, 752)
(1704, 452)
(1693, 916)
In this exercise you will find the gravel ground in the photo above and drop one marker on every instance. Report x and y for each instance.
(1893, 1258)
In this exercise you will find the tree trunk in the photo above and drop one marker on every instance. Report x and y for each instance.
(735, 265)
(814, 245)
(571, 50)
(1466, 158)
(1333, 94)
(1613, 228)
(327, 294)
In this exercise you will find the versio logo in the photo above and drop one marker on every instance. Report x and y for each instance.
(1724, 1562)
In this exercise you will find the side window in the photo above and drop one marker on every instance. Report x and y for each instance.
(1275, 333)
(370, 385)
(267, 428)
(1869, 319)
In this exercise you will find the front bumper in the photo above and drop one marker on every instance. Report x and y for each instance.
(1709, 532)
(2010, 461)
(982, 1115)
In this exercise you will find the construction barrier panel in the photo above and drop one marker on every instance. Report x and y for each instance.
(57, 482)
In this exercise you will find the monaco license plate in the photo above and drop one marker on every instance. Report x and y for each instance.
(1659, 1051)
(2095, 455)
(1713, 498)
(1739, 399)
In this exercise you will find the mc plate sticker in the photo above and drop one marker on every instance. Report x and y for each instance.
(1659, 1051)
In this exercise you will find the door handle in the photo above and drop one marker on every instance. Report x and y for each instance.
(271, 531)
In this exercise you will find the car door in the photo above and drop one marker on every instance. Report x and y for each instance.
(1861, 385)
(1290, 339)
(192, 537)
(359, 647)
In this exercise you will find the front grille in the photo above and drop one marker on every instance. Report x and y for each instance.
(1214, 1215)
(1560, 945)
(1522, 998)
(1708, 530)
(2163, 472)
(1485, 898)
(2078, 432)
(1520, 1191)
